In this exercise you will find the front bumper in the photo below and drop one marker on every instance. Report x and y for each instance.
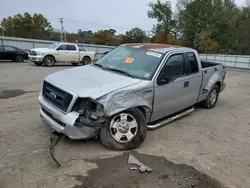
(36, 58)
(64, 122)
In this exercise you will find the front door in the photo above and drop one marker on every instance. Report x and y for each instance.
(61, 53)
(171, 87)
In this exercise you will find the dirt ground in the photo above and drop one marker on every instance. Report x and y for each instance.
(191, 152)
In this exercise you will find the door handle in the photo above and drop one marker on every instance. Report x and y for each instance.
(186, 84)
(147, 91)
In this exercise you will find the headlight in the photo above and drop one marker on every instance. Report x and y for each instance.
(89, 108)
(39, 53)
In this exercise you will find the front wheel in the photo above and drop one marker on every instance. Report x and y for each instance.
(49, 61)
(124, 131)
(212, 98)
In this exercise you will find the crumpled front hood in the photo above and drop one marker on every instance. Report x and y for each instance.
(90, 81)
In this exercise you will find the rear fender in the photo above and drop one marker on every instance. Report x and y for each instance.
(214, 79)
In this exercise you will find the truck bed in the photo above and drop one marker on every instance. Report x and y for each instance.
(207, 64)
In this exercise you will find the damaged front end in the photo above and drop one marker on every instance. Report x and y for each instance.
(88, 116)
(91, 113)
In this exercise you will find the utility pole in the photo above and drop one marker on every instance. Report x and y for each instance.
(62, 28)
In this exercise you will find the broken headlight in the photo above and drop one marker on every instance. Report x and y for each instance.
(90, 111)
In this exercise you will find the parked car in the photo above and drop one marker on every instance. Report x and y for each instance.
(61, 52)
(132, 88)
(13, 53)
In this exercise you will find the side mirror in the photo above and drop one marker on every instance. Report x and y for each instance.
(162, 81)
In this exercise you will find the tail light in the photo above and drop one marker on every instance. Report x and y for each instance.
(26, 51)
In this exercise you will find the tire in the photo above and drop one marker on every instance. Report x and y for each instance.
(49, 61)
(86, 60)
(108, 134)
(74, 64)
(19, 58)
(38, 63)
(212, 98)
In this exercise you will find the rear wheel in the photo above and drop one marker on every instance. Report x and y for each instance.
(86, 60)
(212, 98)
(19, 58)
(124, 131)
(49, 61)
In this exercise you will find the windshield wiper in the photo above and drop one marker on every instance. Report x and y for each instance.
(99, 65)
(120, 71)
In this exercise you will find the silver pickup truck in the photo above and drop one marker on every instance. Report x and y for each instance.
(133, 88)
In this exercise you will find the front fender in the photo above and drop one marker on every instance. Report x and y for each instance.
(117, 102)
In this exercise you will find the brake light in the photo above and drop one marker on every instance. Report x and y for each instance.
(26, 51)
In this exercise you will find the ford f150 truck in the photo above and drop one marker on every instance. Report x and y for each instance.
(61, 52)
(133, 88)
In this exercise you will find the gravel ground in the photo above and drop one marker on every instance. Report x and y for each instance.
(213, 143)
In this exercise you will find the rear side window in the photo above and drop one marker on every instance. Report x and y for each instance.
(71, 47)
(193, 63)
(9, 49)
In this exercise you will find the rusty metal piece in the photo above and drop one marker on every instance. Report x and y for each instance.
(53, 140)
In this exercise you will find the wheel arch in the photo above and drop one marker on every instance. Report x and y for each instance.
(86, 56)
(49, 55)
(145, 110)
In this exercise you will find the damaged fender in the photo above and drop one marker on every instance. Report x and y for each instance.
(128, 98)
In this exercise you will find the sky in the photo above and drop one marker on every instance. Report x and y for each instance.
(93, 15)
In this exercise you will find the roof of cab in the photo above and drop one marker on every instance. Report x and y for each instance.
(162, 48)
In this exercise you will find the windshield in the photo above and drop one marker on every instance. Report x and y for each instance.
(53, 46)
(139, 63)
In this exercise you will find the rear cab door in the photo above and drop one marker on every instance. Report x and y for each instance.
(73, 53)
(171, 96)
(194, 77)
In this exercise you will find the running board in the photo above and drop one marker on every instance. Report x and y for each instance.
(170, 119)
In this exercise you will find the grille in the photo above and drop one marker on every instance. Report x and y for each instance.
(33, 53)
(56, 96)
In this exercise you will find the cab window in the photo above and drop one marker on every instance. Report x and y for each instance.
(62, 47)
(71, 47)
(174, 67)
(192, 63)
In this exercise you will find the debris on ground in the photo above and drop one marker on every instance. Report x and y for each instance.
(53, 140)
(133, 168)
(133, 161)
